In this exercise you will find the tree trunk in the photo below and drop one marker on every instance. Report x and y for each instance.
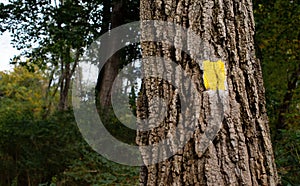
(67, 71)
(287, 100)
(110, 70)
(241, 152)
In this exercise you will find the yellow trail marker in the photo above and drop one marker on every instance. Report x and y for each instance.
(214, 75)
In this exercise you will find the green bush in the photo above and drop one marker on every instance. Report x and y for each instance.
(287, 153)
(32, 151)
(52, 152)
(93, 169)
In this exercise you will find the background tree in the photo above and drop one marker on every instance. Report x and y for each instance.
(123, 11)
(53, 35)
(39, 144)
(277, 39)
(241, 153)
(22, 91)
(47, 151)
(279, 52)
(32, 149)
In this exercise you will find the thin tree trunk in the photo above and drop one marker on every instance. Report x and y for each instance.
(64, 91)
(48, 97)
(287, 99)
(67, 70)
(241, 153)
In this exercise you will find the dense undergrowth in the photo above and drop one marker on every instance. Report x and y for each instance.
(52, 152)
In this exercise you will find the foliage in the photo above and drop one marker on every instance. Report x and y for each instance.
(43, 28)
(52, 151)
(287, 152)
(54, 34)
(277, 39)
(36, 150)
(22, 91)
(93, 169)
(33, 150)
(116, 128)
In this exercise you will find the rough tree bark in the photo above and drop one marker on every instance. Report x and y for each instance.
(241, 153)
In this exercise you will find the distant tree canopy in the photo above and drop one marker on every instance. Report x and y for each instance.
(54, 34)
(22, 91)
